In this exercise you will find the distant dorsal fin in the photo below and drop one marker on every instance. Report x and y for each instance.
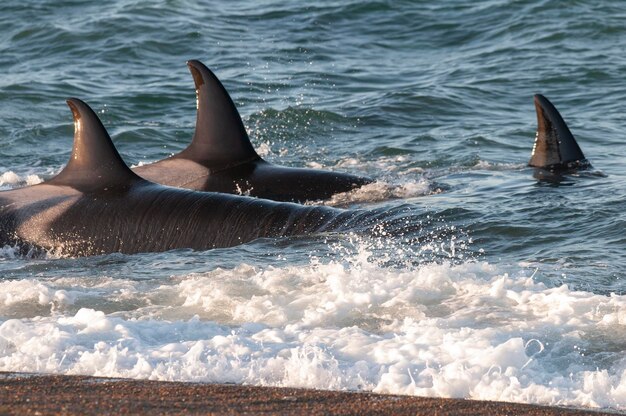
(220, 140)
(94, 163)
(555, 146)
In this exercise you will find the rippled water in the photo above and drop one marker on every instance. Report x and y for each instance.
(513, 291)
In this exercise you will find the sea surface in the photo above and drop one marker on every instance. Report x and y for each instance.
(514, 289)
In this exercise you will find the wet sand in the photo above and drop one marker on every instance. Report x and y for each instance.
(29, 394)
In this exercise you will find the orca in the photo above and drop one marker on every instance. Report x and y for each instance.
(97, 205)
(221, 157)
(555, 149)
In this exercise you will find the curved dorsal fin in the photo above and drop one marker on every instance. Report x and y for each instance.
(94, 163)
(220, 140)
(555, 146)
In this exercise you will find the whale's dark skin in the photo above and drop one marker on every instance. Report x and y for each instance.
(555, 149)
(97, 205)
(221, 158)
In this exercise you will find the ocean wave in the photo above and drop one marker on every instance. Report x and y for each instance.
(468, 330)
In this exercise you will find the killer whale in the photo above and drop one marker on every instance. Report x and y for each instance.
(555, 149)
(97, 205)
(221, 157)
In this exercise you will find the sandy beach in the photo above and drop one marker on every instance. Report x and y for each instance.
(35, 394)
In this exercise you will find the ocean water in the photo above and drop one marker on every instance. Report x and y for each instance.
(513, 289)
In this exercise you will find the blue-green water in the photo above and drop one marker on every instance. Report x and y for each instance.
(516, 290)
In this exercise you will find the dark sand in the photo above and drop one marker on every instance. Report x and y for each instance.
(27, 394)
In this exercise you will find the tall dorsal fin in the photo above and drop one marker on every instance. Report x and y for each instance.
(94, 163)
(555, 146)
(220, 140)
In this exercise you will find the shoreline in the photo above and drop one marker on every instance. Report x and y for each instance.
(47, 394)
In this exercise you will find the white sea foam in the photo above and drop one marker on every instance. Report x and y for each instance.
(10, 179)
(140, 163)
(395, 179)
(468, 330)
(486, 165)
(264, 149)
(379, 191)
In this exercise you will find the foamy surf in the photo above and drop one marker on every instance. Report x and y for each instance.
(379, 191)
(10, 179)
(468, 330)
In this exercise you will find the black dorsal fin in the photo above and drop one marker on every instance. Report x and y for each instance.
(95, 163)
(555, 147)
(220, 140)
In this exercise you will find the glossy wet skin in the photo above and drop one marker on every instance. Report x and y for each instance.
(146, 217)
(221, 158)
(96, 205)
(259, 178)
(555, 150)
